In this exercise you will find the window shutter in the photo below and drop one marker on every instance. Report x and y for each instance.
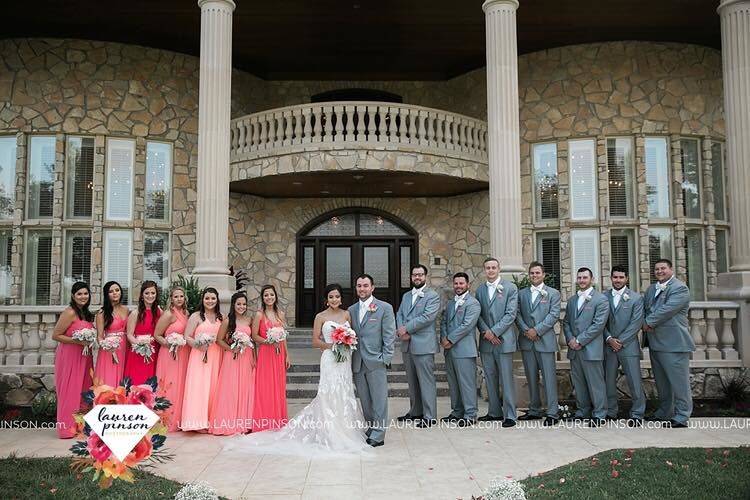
(585, 250)
(548, 251)
(38, 267)
(622, 251)
(120, 166)
(7, 177)
(118, 253)
(619, 170)
(717, 167)
(156, 258)
(691, 184)
(77, 257)
(659, 247)
(6, 278)
(80, 174)
(41, 177)
(583, 189)
(695, 271)
(657, 177)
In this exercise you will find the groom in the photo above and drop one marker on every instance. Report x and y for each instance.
(375, 324)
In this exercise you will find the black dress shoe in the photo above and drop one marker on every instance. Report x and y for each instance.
(611, 419)
(574, 418)
(425, 423)
(674, 424)
(596, 422)
(654, 418)
(467, 422)
(489, 418)
(529, 416)
(635, 422)
(509, 423)
(374, 443)
(407, 418)
(550, 421)
(450, 418)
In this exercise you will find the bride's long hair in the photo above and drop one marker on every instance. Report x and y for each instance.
(329, 289)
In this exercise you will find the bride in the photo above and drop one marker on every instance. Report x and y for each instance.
(333, 421)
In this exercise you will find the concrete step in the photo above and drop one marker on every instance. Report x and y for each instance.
(395, 390)
(393, 377)
(396, 367)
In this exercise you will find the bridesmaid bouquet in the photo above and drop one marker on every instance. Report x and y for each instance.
(344, 342)
(275, 335)
(111, 344)
(87, 335)
(143, 347)
(175, 341)
(241, 341)
(204, 339)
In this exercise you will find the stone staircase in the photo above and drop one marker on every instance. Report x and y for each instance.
(302, 378)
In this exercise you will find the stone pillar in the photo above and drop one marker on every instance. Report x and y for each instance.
(214, 94)
(503, 133)
(735, 52)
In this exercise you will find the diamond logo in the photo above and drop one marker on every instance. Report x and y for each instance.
(121, 426)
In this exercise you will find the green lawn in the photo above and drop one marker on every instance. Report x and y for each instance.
(640, 474)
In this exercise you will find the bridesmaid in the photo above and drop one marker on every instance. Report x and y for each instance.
(143, 322)
(171, 368)
(111, 321)
(269, 408)
(72, 368)
(201, 377)
(233, 405)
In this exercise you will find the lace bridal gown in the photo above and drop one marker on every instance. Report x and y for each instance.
(331, 424)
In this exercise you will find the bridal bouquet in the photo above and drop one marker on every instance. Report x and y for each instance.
(344, 342)
(275, 335)
(111, 344)
(204, 340)
(241, 341)
(87, 335)
(143, 347)
(175, 341)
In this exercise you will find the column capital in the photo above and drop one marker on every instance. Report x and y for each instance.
(225, 3)
(492, 4)
(729, 3)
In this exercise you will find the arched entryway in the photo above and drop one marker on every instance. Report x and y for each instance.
(339, 245)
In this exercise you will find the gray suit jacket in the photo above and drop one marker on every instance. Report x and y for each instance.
(375, 335)
(542, 316)
(668, 314)
(419, 320)
(499, 315)
(625, 322)
(459, 325)
(587, 326)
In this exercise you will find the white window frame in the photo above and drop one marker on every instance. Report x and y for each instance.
(65, 266)
(536, 200)
(574, 146)
(11, 139)
(668, 181)
(699, 156)
(168, 180)
(28, 176)
(108, 195)
(106, 264)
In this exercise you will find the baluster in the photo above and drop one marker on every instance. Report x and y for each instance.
(483, 140)
(318, 131)
(440, 124)
(431, 141)
(328, 134)
(233, 137)
(462, 134)
(297, 115)
(696, 326)
(470, 137)
(15, 341)
(339, 112)
(48, 344)
(271, 130)
(3, 342)
(360, 131)
(307, 128)
(239, 134)
(349, 112)
(32, 343)
(373, 129)
(288, 133)
(712, 337)
(413, 114)
(392, 125)
(255, 141)
(263, 132)
(448, 132)
(422, 129)
(727, 335)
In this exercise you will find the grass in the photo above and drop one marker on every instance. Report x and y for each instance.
(664, 473)
(45, 478)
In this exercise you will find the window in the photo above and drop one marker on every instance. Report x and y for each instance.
(7, 177)
(623, 253)
(156, 259)
(620, 173)
(309, 276)
(38, 267)
(80, 177)
(41, 179)
(583, 188)
(585, 251)
(717, 167)
(118, 252)
(691, 185)
(77, 258)
(545, 181)
(657, 177)
(405, 267)
(695, 270)
(6, 277)
(120, 164)
(548, 253)
(722, 251)
(158, 180)
(659, 247)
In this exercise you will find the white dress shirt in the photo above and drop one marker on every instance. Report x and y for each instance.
(415, 292)
(582, 294)
(492, 287)
(535, 291)
(363, 307)
(459, 297)
(658, 290)
(617, 295)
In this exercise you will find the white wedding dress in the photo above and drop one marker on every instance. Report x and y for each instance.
(331, 424)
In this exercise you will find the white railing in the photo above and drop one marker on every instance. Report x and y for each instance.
(344, 125)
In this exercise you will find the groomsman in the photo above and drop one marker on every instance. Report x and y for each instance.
(621, 337)
(415, 326)
(585, 318)
(498, 341)
(538, 312)
(667, 336)
(457, 338)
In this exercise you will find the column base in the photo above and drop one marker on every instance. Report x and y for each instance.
(225, 284)
(735, 286)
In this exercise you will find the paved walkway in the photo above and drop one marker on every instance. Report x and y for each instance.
(436, 463)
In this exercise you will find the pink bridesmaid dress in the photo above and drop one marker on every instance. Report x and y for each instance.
(135, 367)
(269, 407)
(106, 371)
(170, 372)
(72, 377)
(232, 406)
(200, 382)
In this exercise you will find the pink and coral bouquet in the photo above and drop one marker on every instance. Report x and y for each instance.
(240, 342)
(110, 344)
(175, 341)
(275, 336)
(204, 340)
(144, 347)
(344, 342)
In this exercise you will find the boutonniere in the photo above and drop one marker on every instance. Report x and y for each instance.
(587, 298)
(420, 294)
(373, 307)
(499, 289)
(662, 286)
(625, 297)
(543, 292)
(460, 302)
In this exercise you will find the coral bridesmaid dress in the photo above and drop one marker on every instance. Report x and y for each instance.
(269, 407)
(72, 377)
(106, 371)
(233, 404)
(135, 367)
(200, 382)
(170, 372)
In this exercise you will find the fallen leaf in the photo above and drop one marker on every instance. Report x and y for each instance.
(615, 473)
(562, 480)
(541, 486)
(53, 490)
(708, 461)
(726, 453)
(614, 462)
(669, 463)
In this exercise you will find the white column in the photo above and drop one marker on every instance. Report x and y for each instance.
(503, 133)
(214, 94)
